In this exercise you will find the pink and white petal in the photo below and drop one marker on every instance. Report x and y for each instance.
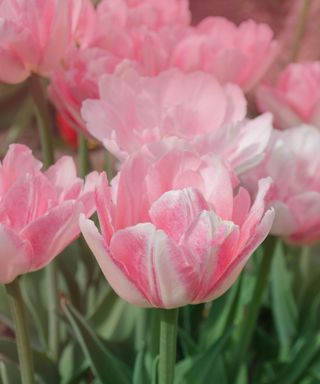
(284, 223)
(87, 195)
(105, 207)
(241, 206)
(203, 240)
(112, 271)
(159, 268)
(175, 210)
(236, 104)
(27, 199)
(63, 174)
(51, 233)
(12, 70)
(229, 276)
(17, 163)
(256, 212)
(15, 255)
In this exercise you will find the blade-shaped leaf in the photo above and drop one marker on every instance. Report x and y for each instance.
(44, 367)
(283, 303)
(103, 363)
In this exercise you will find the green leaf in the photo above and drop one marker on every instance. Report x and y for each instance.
(72, 363)
(44, 367)
(297, 368)
(283, 304)
(118, 322)
(206, 367)
(9, 373)
(140, 374)
(104, 364)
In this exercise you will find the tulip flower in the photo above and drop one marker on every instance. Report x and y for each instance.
(174, 231)
(239, 55)
(39, 211)
(293, 162)
(36, 34)
(194, 107)
(295, 99)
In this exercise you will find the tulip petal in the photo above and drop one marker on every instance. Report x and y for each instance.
(51, 233)
(113, 272)
(105, 207)
(15, 255)
(230, 274)
(174, 211)
(155, 264)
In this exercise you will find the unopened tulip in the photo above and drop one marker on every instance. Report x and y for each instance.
(295, 99)
(39, 211)
(293, 162)
(173, 230)
(36, 34)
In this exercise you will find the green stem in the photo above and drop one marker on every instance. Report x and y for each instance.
(300, 28)
(22, 336)
(249, 322)
(39, 97)
(84, 162)
(42, 112)
(168, 345)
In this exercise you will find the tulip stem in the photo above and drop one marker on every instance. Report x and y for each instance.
(22, 336)
(39, 97)
(300, 28)
(42, 112)
(248, 324)
(168, 345)
(84, 162)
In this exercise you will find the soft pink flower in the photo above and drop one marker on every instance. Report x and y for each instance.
(295, 98)
(174, 232)
(239, 55)
(78, 80)
(293, 162)
(39, 211)
(35, 34)
(152, 14)
(134, 110)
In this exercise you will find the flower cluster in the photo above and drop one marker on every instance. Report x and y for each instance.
(167, 99)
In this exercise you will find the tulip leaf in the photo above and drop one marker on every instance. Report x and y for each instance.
(118, 322)
(297, 369)
(106, 366)
(206, 367)
(44, 367)
(72, 363)
(140, 373)
(283, 303)
(9, 373)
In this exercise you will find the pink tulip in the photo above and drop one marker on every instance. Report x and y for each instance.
(239, 55)
(134, 110)
(78, 81)
(152, 14)
(293, 163)
(295, 99)
(173, 231)
(35, 34)
(39, 211)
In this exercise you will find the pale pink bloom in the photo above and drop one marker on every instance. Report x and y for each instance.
(35, 34)
(295, 98)
(134, 110)
(39, 211)
(174, 232)
(77, 81)
(293, 162)
(239, 55)
(152, 14)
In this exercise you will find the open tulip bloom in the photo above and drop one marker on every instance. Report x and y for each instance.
(174, 231)
(39, 211)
